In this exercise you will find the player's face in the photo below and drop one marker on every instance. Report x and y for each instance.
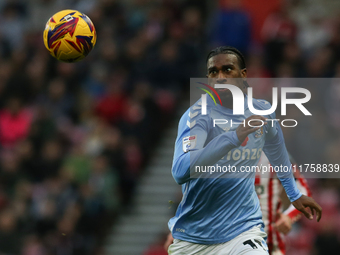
(225, 69)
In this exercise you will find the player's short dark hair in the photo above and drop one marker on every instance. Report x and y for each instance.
(228, 50)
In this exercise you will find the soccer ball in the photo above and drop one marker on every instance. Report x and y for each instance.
(69, 36)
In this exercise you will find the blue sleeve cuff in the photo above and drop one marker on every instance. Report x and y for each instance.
(292, 199)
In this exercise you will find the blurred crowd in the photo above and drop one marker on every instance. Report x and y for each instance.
(75, 137)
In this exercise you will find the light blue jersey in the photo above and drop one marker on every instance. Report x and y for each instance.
(216, 210)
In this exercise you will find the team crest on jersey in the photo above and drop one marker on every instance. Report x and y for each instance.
(259, 132)
(189, 143)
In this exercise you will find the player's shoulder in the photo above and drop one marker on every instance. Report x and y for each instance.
(194, 114)
(261, 104)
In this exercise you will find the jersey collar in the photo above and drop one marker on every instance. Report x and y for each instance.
(211, 103)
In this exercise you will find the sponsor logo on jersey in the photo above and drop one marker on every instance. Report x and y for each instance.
(189, 143)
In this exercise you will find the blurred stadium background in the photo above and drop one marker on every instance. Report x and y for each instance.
(86, 148)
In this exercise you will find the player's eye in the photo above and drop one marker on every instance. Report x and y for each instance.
(212, 72)
(228, 69)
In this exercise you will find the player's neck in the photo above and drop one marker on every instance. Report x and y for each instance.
(228, 103)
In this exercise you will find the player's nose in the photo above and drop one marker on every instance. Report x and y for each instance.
(221, 78)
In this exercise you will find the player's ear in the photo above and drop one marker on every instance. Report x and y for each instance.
(244, 73)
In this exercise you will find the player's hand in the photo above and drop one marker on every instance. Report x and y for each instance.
(303, 202)
(283, 224)
(243, 131)
(168, 241)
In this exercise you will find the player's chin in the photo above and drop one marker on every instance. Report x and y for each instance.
(224, 93)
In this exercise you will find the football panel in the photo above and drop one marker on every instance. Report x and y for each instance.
(67, 53)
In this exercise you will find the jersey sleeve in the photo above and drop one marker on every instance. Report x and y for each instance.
(276, 152)
(191, 148)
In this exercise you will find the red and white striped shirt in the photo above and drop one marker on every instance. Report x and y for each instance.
(269, 188)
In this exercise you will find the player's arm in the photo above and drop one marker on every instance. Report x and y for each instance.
(197, 153)
(277, 154)
(291, 214)
(302, 185)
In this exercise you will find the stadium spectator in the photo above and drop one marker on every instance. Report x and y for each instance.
(15, 122)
